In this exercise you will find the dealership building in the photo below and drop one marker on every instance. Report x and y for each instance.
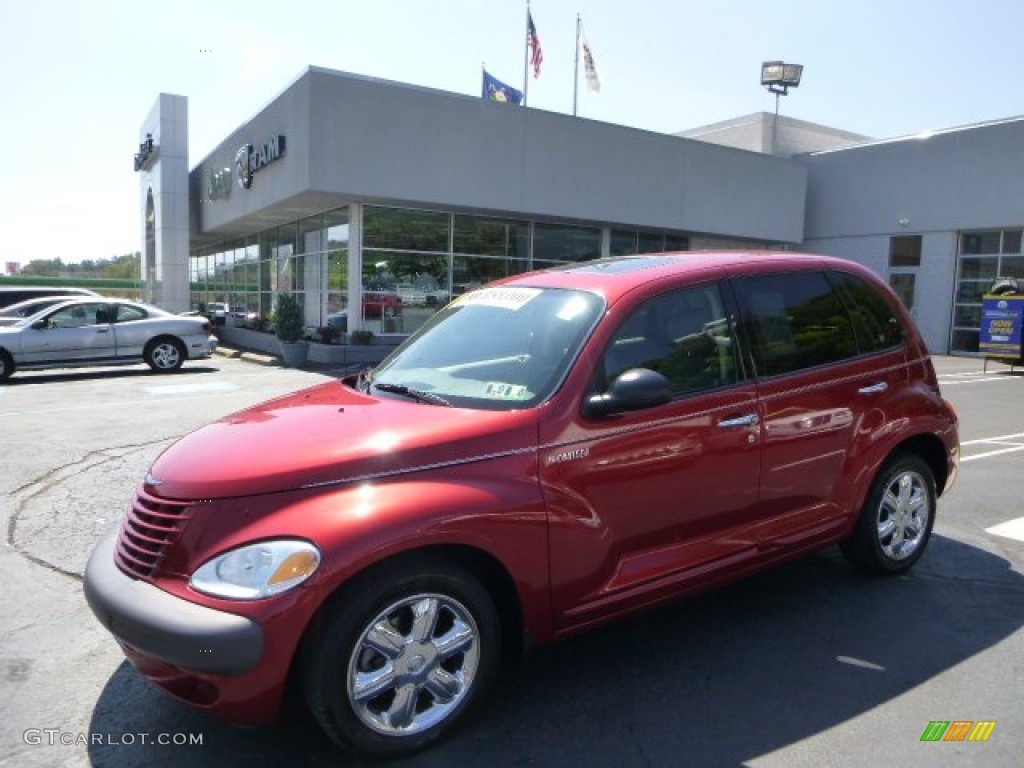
(376, 201)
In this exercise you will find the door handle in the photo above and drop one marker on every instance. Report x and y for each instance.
(873, 389)
(102, 330)
(747, 420)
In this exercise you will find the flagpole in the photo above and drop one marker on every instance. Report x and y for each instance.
(526, 54)
(576, 68)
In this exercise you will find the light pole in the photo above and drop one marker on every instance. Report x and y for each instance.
(779, 77)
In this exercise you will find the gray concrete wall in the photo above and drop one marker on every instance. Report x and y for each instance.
(932, 186)
(266, 202)
(166, 177)
(754, 133)
(956, 179)
(355, 138)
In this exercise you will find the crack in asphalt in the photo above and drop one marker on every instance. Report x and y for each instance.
(52, 479)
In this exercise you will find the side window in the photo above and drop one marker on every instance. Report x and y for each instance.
(76, 316)
(874, 321)
(795, 321)
(125, 314)
(684, 335)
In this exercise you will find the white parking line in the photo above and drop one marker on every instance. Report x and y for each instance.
(204, 386)
(991, 453)
(946, 383)
(997, 438)
(1007, 444)
(1012, 529)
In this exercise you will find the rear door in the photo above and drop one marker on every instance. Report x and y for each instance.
(131, 330)
(826, 385)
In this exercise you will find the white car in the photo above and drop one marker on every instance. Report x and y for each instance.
(98, 331)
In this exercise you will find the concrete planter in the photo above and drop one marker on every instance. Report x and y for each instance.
(294, 354)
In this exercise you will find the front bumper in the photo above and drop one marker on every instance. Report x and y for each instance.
(165, 627)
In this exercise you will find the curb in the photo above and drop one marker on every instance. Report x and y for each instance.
(243, 354)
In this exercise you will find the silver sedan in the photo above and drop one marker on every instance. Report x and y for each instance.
(94, 331)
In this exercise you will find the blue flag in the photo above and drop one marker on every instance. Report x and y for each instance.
(495, 90)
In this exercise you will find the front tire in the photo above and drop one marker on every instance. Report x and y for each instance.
(6, 365)
(897, 518)
(165, 355)
(400, 657)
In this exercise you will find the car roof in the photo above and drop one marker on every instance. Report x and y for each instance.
(75, 300)
(614, 277)
(55, 299)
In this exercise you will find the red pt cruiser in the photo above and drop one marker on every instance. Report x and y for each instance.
(546, 454)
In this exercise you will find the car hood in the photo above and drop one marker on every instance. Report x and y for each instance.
(332, 434)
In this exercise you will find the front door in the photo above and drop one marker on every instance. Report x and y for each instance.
(75, 333)
(645, 501)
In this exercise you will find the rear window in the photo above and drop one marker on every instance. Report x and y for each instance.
(795, 320)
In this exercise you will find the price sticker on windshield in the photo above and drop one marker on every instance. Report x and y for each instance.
(512, 299)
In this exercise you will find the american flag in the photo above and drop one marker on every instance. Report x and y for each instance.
(536, 54)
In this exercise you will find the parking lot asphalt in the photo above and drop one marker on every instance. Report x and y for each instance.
(809, 664)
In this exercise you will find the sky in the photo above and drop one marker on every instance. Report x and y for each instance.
(79, 78)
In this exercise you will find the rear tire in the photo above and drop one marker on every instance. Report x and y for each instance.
(400, 657)
(165, 355)
(896, 521)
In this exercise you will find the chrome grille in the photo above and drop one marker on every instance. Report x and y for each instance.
(149, 527)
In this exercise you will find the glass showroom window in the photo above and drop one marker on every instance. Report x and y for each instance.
(984, 256)
(405, 229)
(337, 236)
(268, 245)
(195, 287)
(626, 242)
(487, 249)
(401, 290)
(559, 243)
(310, 266)
(288, 278)
(249, 277)
(406, 267)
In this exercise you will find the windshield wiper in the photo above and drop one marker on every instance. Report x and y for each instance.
(415, 394)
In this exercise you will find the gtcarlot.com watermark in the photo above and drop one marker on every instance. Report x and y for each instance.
(54, 736)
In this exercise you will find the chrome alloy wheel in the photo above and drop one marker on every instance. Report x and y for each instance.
(413, 665)
(166, 356)
(903, 515)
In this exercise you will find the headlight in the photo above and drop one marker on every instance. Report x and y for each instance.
(257, 570)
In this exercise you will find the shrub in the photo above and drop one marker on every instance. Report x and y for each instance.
(288, 318)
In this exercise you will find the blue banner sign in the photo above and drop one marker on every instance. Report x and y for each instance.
(1001, 321)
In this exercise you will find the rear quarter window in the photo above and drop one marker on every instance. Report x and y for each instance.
(876, 324)
(794, 321)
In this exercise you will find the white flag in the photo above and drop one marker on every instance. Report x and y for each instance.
(593, 81)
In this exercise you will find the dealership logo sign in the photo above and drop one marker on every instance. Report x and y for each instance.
(250, 159)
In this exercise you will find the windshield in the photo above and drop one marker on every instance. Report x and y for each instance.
(497, 348)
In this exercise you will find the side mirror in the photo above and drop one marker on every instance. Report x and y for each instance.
(632, 390)
(41, 325)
